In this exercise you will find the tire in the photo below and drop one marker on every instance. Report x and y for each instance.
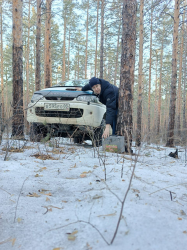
(78, 140)
(38, 132)
(97, 138)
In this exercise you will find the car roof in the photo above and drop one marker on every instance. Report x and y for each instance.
(71, 83)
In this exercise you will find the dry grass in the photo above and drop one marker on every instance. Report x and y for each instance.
(12, 149)
(43, 157)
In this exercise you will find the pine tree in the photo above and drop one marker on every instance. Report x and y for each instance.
(18, 114)
(124, 121)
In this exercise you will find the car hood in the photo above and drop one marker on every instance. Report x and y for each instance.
(62, 92)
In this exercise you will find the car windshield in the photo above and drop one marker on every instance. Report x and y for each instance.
(80, 83)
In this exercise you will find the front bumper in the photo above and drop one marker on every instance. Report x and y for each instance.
(80, 114)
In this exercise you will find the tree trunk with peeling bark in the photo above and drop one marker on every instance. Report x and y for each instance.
(117, 49)
(86, 54)
(96, 38)
(124, 121)
(140, 72)
(179, 92)
(102, 39)
(184, 92)
(18, 114)
(2, 69)
(48, 82)
(38, 45)
(150, 65)
(171, 125)
(64, 49)
(160, 86)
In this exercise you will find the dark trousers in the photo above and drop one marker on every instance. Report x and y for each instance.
(114, 123)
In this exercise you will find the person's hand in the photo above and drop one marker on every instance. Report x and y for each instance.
(106, 132)
(78, 89)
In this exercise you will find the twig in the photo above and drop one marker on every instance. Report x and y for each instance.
(170, 195)
(46, 210)
(19, 197)
(167, 187)
(112, 192)
(123, 202)
(5, 191)
(82, 221)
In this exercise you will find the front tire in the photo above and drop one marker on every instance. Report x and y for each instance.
(97, 139)
(37, 132)
(78, 140)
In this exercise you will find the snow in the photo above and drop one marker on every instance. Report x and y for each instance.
(64, 202)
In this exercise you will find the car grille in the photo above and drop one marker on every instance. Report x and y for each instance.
(65, 98)
(72, 113)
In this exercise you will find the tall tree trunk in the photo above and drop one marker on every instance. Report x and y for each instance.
(7, 109)
(171, 125)
(96, 38)
(150, 65)
(124, 121)
(117, 49)
(64, 50)
(156, 96)
(139, 105)
(27, 57)
(27, 71)
(78, 62)
(184, 91)
(38, 45)
(18, 114)
(69, 52)
(86, 54)
(48, 45)
(102, 39)
(179, 82)
(2, 69)
(160, 86)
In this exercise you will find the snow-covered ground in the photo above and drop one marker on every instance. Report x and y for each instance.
(61, 200)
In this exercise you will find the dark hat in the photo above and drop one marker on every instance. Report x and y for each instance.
(94, 81)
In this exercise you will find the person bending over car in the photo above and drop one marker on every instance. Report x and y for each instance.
(108, 95)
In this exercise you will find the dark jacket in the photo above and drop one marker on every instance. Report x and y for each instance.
(109, 97)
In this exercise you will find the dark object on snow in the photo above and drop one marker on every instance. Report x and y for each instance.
(126, 150)
(174, 155)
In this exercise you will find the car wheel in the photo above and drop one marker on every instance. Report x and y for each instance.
(97, 138)
(78, 140)
(38, 132)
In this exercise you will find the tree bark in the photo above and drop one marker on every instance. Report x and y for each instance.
(38, 45)
(156, 96)
(27, 72)
(117, 49)
(86, 54)
(171, 125)
(102, 39)
(150, 65)
(18, 114)
(184, 87)
(96, 38)
(64, 49)
(48, 45)
(160, 87)
(69, 52)
(139, 105)
(124, 120)
(179, 81)
(2, 69)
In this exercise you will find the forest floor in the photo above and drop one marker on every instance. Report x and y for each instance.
(54, 196)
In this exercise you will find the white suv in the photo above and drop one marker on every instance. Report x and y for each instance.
(63, 111)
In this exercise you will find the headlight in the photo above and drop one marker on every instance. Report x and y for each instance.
(88, 98)
(36, 97)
